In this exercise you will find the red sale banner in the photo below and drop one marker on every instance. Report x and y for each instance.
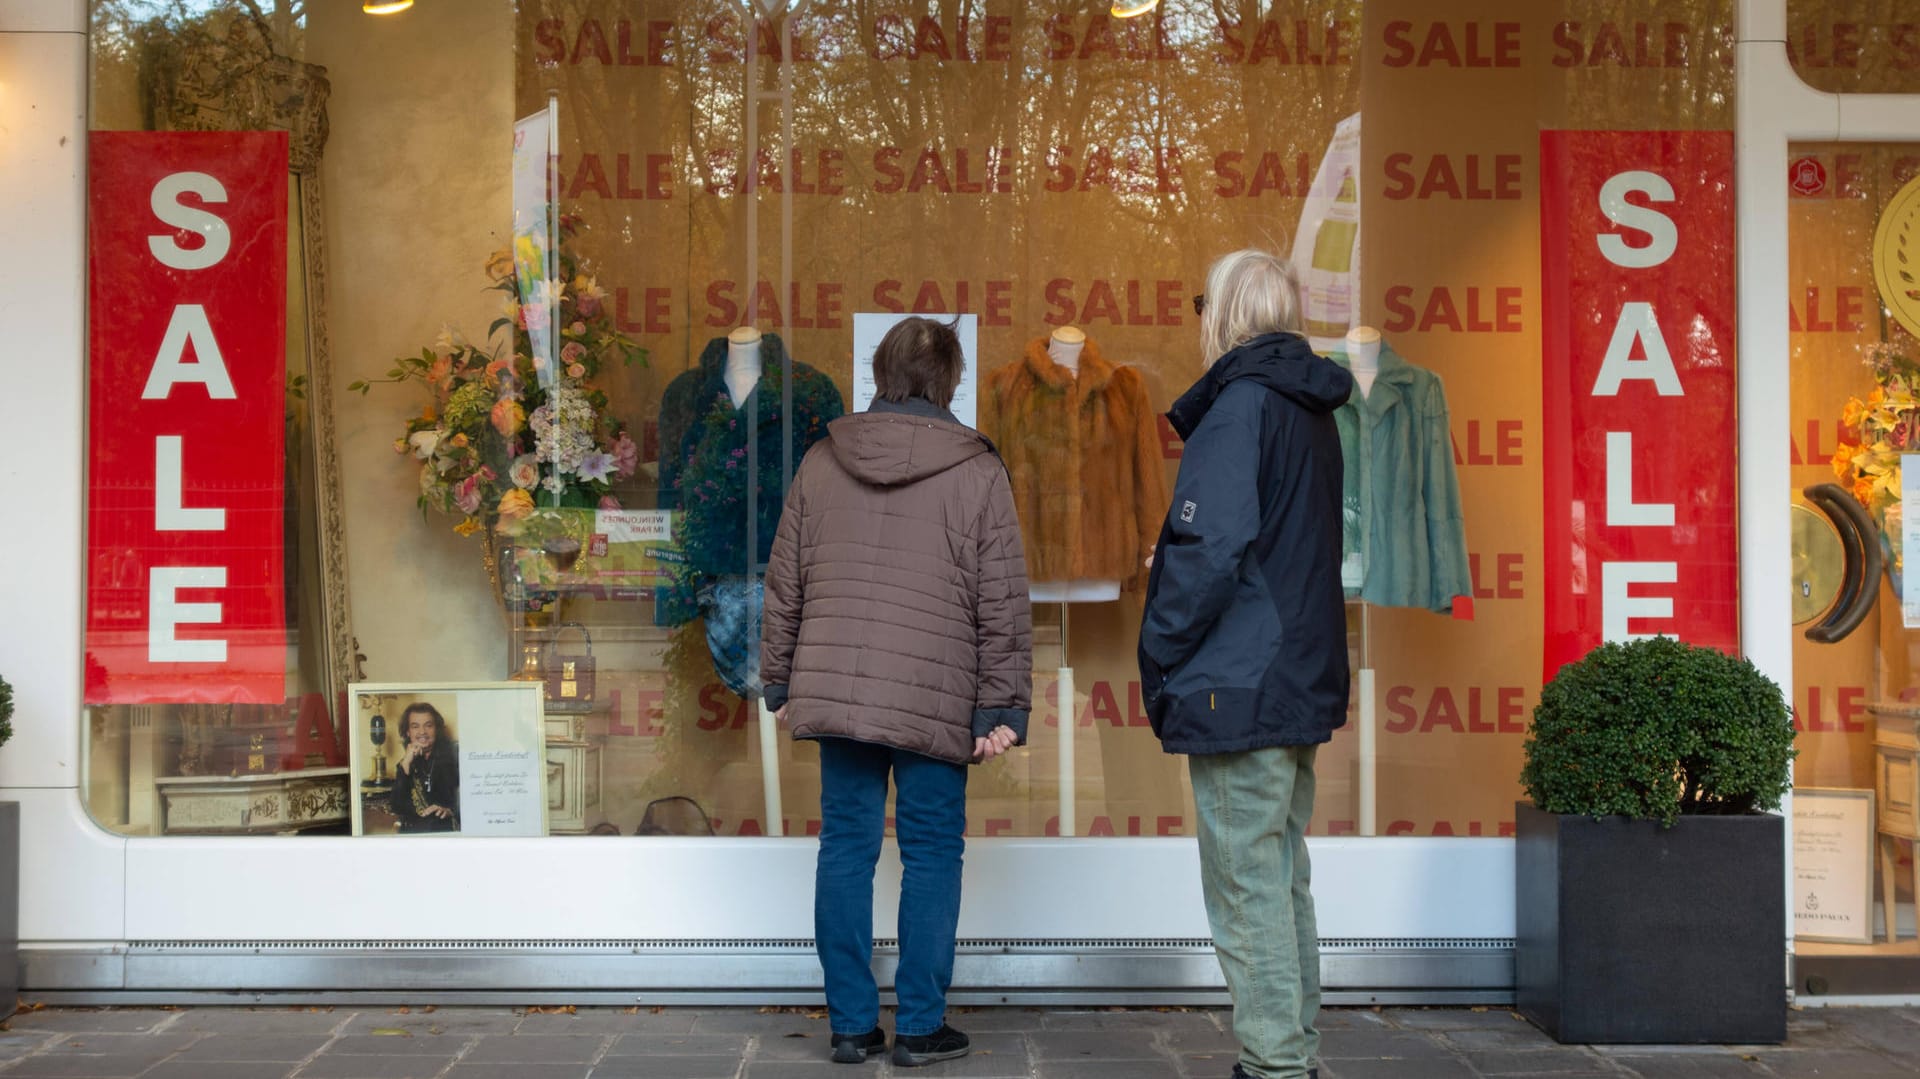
(187, 303)
(1637, 267)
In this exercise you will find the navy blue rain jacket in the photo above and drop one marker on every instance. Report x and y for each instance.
(1244, 643)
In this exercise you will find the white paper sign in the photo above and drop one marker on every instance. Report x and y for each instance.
(503, 766)
(1909, 540)
(635, 526)
(869, 328)
(1832, 865)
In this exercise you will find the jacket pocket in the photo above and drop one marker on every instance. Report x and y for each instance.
(1237, 651)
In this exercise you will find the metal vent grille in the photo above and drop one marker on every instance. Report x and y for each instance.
(721, 944)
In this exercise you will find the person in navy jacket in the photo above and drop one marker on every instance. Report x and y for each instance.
(1243, 652)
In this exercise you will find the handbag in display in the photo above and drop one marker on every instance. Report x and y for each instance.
(569, 674)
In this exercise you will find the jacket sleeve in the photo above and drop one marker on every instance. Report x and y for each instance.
(780, 612)
(1149, 482)
(1449, 573)
(1214, 519)
(1003, 618)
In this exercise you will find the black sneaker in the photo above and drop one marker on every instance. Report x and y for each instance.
(854, 1048)
(943, 1044)
(1241, 1073)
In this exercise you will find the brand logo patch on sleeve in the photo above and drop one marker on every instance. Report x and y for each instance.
(1187, 511)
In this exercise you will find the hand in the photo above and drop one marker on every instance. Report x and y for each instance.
(998, 741)
(406, 761)
(780, 714)
(1151, 551)
(438, 811)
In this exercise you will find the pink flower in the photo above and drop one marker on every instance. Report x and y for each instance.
(572, 352)
(508, 416)
(467, 495)
(626, 455)
(608, 502)
(576, 371)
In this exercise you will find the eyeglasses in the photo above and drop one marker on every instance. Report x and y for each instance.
(1199, 303)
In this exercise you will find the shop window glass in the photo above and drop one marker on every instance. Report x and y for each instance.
(1034, 167)
(1854, 349)
(1855, 46)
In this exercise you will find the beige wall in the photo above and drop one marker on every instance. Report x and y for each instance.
(418, 194)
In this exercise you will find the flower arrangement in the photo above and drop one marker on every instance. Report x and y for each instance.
(503, 435)
(1874, 432)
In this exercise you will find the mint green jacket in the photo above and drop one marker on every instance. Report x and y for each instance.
(1403, 537)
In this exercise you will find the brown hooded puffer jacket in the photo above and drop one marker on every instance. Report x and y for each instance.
(896, 597)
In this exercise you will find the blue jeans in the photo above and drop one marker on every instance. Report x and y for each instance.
(1253, 809)
(930, 821)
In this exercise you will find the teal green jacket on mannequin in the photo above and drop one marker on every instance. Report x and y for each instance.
(1404, 541)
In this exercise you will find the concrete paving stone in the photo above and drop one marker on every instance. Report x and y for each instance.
(755, 1021)
(983, 1019)
(402, 1045)
(104, 1020)
(1092, 1044)
(1334, 1019)
(633, 1045)
(21, 1042)
(812, 1045)
(1454, 1018)
(1105, 1069)
(262, 1020)
(219, 1069)
(439, 1020)
(1814, 1030)
(1210, 1065)
(1378, 1044)
(979, 1064)
(1533, 1061)
(1891, 1031)
(792, 1069)
(543, 1048)
(668, 1067)
(98, 1044)
(1424, 1068)
(1129, 1020)
(518, 1069)
(1200, 1041)
(1836, 1064)
(76, 1065)
(1517, 1036)
(355, 1066)
(1715, 1064)
(608, 1021)
(246, 1047)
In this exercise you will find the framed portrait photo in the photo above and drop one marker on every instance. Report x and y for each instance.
(448, 759)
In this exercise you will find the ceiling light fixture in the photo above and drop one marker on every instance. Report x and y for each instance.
(385, 7)
(1127, 9)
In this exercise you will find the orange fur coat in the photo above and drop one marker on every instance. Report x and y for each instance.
(1085, 460)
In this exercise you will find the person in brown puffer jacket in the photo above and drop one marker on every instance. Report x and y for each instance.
(897, 634)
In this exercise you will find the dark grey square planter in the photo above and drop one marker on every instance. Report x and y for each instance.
(9, 906)
(1631, 933)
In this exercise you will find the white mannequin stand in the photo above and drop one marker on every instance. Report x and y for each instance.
(743, 363)
(1064, 346)
(1363, 356)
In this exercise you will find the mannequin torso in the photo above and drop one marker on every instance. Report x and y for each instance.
(1363, 356)
(743, 363)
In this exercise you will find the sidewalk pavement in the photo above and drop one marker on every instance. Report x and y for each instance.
(791, 1043)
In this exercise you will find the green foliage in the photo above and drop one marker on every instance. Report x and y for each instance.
(1656, 728)
(6, 711)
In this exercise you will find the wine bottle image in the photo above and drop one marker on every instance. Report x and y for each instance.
(1327, 280)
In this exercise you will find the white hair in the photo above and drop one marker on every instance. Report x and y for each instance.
(1249, 293)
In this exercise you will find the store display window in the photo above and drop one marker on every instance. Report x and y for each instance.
(541, 412)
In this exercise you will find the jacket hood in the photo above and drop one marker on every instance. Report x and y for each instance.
(1283, 363)
(895, 444)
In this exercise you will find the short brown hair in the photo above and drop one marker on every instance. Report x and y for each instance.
(919, 357)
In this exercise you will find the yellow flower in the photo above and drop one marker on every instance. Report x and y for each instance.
(500, 265)
(514, 505)
(508, 416)
(1878, 395)
(1850, 415)
(1843, 460)
(1862, 491)
(468, 526)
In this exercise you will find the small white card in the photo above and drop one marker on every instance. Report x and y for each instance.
(635, 526)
